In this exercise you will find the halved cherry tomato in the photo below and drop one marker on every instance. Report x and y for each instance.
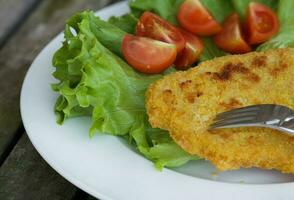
(147, 55)
(230, 38)
(195, 18)
(191, 52)
(153, 26)
(261, 23)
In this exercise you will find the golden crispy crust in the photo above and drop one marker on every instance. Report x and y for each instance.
(184, 103)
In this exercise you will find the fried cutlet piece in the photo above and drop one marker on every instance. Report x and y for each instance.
(185, 103)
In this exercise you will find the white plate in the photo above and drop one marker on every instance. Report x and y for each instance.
(107, 168)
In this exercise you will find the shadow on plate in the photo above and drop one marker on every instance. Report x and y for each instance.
(205, 170)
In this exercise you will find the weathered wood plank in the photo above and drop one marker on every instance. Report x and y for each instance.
(91, 198)
(12, 12)
(81, 195)
(25, 175)
(18, 53)
(16, 178)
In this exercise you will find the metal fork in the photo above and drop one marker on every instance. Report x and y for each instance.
(265, 115)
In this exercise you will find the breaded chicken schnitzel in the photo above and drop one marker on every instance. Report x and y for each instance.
(185, 103)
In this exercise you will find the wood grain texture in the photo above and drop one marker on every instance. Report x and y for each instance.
(25, 175)
(12, 13)
(19, 52)
(91, 198)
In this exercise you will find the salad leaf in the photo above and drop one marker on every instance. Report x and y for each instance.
(107, 34)
(285, 37)
(167, 154)
(285, 11)
(210, 50)
(126, 22)
(158, 146)
(95, 82)
(219, 9)
(167, 9)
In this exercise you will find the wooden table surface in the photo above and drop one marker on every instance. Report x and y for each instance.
(26, 26)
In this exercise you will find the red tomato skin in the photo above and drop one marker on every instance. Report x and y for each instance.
(261, 23)
(193, 17)
(152, 26)
(147, 55)
(192, 51)
(231, 38)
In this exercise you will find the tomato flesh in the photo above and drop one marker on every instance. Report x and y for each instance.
(153, 26)
(261, 23)
(230, 38)
(196, 19)
(147, 55)
(192, 51)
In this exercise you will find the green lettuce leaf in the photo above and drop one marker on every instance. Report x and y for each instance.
(107, 34)
(210, 50)
(285, 37)
(167, 9)
(95, 82)
(219, 9)
(126, 22)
